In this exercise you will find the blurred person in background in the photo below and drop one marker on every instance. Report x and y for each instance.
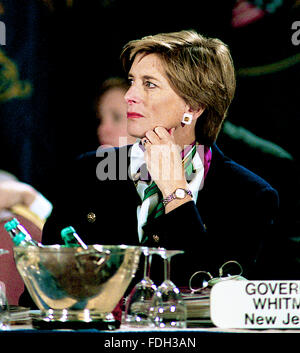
(111, 110)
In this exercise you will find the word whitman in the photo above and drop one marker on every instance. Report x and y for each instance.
(277, 303)
(256, 304)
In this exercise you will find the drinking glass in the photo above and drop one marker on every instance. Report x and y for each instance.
(168, 309)
(4, 308)
(138, 302)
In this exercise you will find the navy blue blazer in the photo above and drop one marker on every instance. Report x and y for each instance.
(233, 216)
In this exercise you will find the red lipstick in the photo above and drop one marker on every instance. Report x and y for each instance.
(132, 115)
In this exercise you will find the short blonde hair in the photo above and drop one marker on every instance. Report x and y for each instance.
(199, 69)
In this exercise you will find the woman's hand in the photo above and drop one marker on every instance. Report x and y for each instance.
(164, 163)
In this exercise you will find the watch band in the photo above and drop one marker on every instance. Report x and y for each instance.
(174, 197)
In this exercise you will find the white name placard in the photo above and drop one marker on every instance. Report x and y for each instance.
(255, 304)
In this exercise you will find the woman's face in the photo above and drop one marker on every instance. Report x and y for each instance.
(151, 101)
(113, 122)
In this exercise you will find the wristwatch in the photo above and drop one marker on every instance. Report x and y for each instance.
(177, 194)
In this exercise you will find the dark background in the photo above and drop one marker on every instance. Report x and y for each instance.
(65, 48)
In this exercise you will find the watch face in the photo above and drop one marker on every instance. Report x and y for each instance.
(180, 193)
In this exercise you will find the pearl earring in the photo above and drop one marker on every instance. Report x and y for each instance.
(187, 119)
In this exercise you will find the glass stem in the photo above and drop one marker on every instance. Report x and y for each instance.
(147, 266)
(167, 268)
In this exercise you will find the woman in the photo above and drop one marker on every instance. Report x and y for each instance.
(111, 111)
(180, 191)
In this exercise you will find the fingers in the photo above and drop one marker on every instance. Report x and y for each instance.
(152, 137)
(162, 133)
(171, 131)
(29, 196)
(159, 135)
(14, 192)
